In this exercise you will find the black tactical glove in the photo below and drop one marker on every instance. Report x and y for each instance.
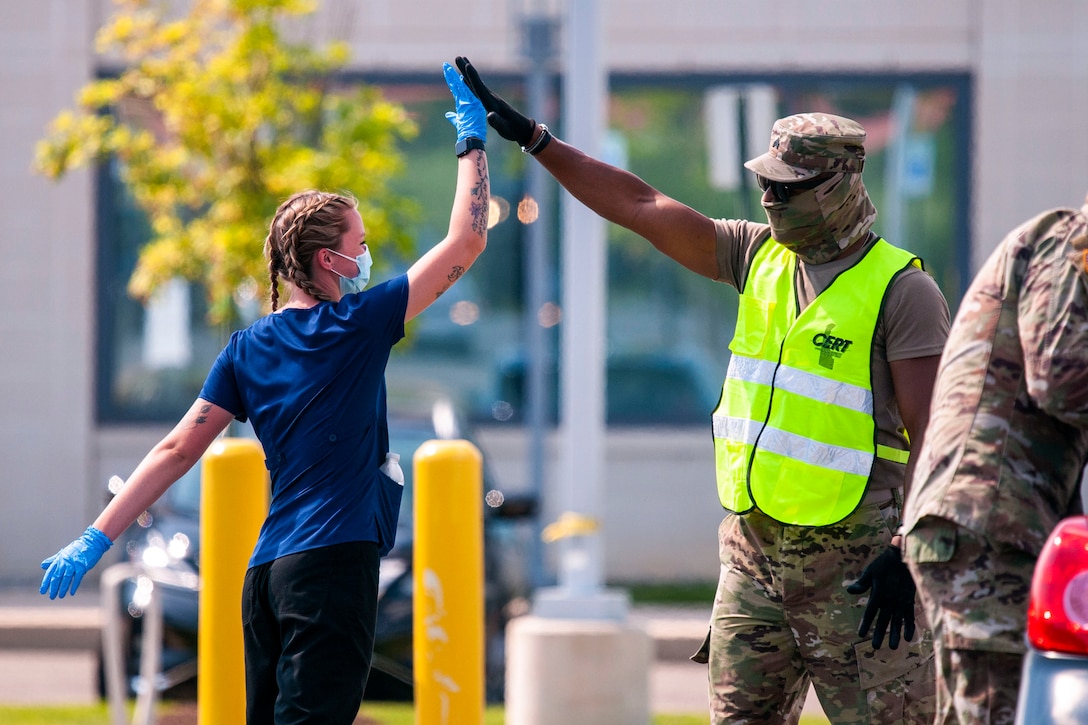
(891, 601)
(503, 117)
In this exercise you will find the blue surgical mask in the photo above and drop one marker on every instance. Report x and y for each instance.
(351, 285)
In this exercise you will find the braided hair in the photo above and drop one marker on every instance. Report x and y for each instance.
(306, 223)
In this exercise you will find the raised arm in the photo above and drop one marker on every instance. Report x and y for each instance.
(619, 196)
(447, 261)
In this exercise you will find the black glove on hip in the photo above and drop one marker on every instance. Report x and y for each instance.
(891, 602)
(504, 118)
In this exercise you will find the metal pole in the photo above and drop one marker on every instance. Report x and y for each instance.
(891, 211)
(538, 34)
(114, 643)
(579, 593)
(584, 300)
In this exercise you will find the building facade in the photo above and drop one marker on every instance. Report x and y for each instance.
(1020, 68)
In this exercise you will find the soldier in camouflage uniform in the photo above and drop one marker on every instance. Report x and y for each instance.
(782, 618)
(1002, 459)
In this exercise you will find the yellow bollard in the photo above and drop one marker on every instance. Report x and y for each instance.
(233, 505)
(448, 578)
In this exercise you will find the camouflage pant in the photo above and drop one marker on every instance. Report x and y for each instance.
(975, 596)
(782, 618)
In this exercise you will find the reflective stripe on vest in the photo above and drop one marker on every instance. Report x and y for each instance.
(794, 433)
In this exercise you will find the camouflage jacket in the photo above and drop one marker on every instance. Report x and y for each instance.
(1008, 431)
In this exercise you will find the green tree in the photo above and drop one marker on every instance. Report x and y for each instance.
(215, 119)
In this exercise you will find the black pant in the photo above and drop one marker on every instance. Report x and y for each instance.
(308, 621)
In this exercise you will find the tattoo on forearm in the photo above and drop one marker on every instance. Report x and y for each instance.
(480, 208)
(201, 416)
(455, 274)
(479, 217)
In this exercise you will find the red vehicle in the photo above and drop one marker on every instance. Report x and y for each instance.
(1054, 685)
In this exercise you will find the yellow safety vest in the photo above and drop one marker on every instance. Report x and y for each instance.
(794, 433)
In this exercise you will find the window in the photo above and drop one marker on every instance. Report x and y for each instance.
(152, 359)
(669, 329)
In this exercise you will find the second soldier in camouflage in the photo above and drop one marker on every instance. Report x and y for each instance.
(1002, 458)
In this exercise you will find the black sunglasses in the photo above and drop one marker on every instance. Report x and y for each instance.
(781, 190)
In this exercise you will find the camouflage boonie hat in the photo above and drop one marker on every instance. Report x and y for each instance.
(810, 144)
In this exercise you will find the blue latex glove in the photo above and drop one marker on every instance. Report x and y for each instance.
(65, 569)
(469, 116)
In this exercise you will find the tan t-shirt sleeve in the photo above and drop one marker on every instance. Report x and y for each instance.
(738, 240)
(916, 318)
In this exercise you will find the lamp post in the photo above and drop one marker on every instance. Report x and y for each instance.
(539, 24)
(580, 480)
(577, 632)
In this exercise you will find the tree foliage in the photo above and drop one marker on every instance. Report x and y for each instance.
(215, 119)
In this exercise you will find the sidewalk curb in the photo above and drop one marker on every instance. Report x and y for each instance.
(52, 626)
(675, 642)
(66, 628)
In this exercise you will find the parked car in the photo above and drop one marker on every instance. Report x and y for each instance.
(642, 389)
(1054, 684)
(169, 537)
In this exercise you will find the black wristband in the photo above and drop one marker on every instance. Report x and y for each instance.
(465, 145)
(542, 140)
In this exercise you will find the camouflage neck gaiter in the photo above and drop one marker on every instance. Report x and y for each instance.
(819, 223)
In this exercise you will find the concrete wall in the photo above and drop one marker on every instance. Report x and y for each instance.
(46, 278)
(1030, 69)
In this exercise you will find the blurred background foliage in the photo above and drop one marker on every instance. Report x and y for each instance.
(214, 119)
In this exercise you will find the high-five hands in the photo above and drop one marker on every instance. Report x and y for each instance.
(504, 118)
(891, 601)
